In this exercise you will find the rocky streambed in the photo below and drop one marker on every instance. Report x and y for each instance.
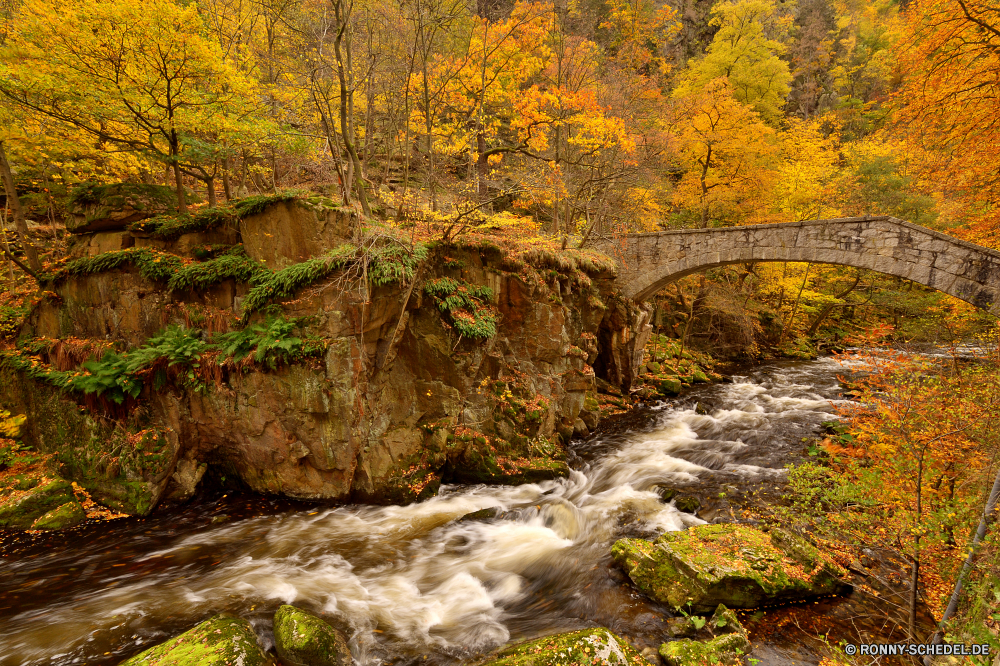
(428, 583)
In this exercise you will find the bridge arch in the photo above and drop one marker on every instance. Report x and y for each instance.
(648, 262)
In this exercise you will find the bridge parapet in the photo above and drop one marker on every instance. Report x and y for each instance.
(648, 262)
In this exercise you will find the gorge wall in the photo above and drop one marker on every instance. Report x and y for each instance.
(397, 402)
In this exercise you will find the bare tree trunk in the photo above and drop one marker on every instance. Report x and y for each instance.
(226, 187)
(6, 247)
(30, 252)
(342, 49)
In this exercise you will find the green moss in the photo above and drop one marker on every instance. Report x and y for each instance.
(67, 515)
(152, 265)
(21, 512)
(578, 648)
(259, 203)
(726, 650)
(731, 564)
(669, 386)
(465, 307)
(220, 641)
(170, 226)
(234, 264)
(286, 282)
(117, 195)
(302, 639)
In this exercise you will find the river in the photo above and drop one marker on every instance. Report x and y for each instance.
(411, 584)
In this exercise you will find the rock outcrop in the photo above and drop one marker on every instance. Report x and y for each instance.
(726, 647)
(295, 230)
(590, 646)
(21, 507)
(401, 400)
(302, 639)
(735, 565)
(109, 207)
(219, 641)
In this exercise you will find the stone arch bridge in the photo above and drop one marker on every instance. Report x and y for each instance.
(648, 262)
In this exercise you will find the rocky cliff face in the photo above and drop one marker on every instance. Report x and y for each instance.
(400, 401)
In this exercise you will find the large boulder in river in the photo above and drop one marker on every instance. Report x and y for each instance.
(220, 641)
(111, 207)
(735, 565)
(302, 639)
(590, 646)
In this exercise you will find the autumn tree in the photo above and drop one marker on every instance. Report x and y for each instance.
(726, 153)
(746, 52)
(138, 76)
(949, 104)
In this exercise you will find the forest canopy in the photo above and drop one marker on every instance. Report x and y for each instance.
(595, 115)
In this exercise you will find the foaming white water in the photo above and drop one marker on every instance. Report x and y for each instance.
(412, 579)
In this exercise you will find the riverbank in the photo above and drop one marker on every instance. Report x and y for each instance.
(409, 581)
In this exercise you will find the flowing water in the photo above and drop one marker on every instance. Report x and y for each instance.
(412, 584)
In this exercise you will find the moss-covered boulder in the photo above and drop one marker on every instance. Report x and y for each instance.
(302, 639)
(66, 515)
(21, 509)
(735, 565)
(108, 207)
(669, 385)
(725, 648)
(219, 641)
(590, 646)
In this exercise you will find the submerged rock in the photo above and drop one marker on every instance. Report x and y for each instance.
(687, 503)
(302, 639)
(66, 515)
(21, 511)
(488, 513)
(590, 646)
(220, 641)
(726, 648)
(735, 565)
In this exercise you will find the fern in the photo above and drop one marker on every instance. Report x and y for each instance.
(152, 265)
(464, 306)
(284, 283)
(234, 264)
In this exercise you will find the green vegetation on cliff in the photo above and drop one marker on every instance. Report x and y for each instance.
(465, 306)
(178, 356)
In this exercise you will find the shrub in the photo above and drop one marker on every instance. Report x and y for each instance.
(269, 343)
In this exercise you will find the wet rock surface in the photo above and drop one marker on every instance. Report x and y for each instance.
(413, 581)
(303, 639)
(726, 646)
(219, 641)
(590, 646)
(735, 565)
